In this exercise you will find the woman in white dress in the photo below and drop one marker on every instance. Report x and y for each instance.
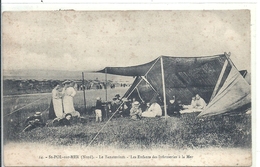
(57, 101)
(69, 93)
(153, 111)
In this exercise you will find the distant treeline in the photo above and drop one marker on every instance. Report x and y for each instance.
(16, 87)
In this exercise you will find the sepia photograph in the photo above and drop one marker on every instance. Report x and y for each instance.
(127, 87)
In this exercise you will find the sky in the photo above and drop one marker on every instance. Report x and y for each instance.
(93, 40)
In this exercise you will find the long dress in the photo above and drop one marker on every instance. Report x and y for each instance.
(51, 111)
(57, 103)
(153, 111)
(68, 105)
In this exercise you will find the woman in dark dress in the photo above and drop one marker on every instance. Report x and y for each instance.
(52, 114)
(51, 111)
(174, 108)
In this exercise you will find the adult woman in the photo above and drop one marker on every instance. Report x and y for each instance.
(69, 93)
(153, 111)
(57, 101)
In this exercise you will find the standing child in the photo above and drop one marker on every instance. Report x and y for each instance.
(98, 110)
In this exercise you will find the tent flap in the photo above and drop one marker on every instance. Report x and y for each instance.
(235, 93)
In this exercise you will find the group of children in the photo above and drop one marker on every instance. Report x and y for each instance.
(37, 120)
(125, 108)
(136, 110)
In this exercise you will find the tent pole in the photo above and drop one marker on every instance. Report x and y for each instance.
(219, 80)
(84, 96)
(121, 104)
(106, 89)
(164, 94)
(106, 82)
(220, 76)
(144, 75)
(113, 114)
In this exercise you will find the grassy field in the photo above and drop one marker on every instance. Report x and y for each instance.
(179, 133)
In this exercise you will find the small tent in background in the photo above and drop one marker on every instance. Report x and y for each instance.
(183, 77)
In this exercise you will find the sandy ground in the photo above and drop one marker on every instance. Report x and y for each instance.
(32, 154)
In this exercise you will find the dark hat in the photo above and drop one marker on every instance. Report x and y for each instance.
(68, 115)
(117, 95)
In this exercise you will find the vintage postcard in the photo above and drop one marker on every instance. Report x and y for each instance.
(128, 87)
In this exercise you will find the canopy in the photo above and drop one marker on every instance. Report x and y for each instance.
(183, 77)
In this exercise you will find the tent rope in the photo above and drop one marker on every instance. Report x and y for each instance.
(105, 124)
(24, 106)
(112, 115)
(149, 84)
(121, 104)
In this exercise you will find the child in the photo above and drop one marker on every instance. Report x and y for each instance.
(98, 110)
(135, 111)
(64, 121)
(34, 121)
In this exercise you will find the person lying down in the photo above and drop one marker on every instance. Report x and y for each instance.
(198, 104)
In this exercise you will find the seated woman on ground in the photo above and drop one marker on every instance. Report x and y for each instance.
(200, 103)
(171, 106)
(174, 108)
(153, 111)
(197, 105)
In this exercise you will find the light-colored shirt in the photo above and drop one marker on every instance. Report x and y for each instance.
(200, 104)
(135, 111)
(193, 103)
(156, 108)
